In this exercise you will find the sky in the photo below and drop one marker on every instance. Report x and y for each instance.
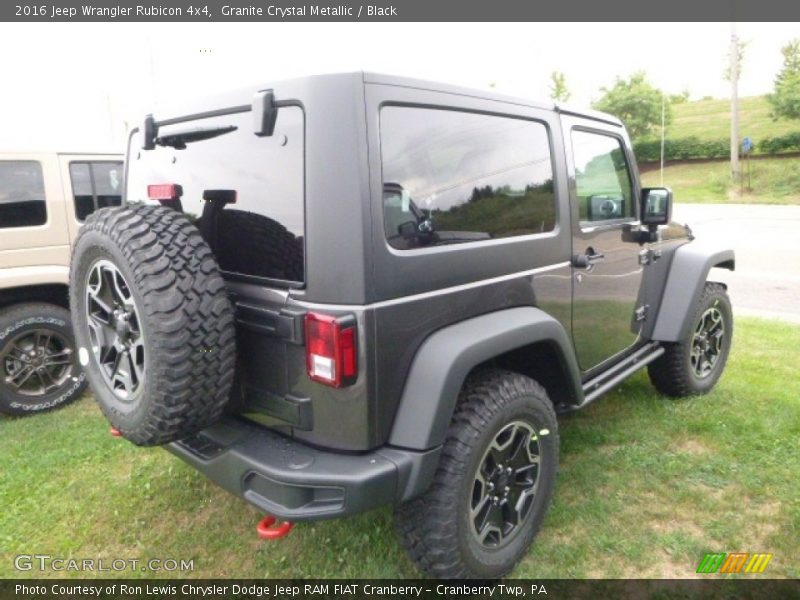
(80, 86)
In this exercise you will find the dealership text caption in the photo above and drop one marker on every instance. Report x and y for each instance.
(215, 590)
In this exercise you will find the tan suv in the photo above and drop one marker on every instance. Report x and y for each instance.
(44, 198)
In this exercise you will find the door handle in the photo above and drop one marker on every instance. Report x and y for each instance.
(588, 259)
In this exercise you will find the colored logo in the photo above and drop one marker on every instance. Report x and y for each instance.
(735, 562)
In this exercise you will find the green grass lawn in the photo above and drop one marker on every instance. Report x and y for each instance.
(647, 485)
(772, 181)
(711, 120)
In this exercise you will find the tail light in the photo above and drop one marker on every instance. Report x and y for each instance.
(331, 356)
(164, 191)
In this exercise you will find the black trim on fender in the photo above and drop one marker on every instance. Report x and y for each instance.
(688, 272)
(445, 359)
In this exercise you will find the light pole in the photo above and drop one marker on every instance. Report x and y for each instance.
(734, 75)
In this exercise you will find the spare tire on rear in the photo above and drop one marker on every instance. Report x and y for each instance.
(153, 323)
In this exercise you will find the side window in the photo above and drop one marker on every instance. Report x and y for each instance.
(451, 177)
(22, 199)
(81, 176)
(602, 179)
(95, 185)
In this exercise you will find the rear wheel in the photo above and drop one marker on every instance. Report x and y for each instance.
(38, 364)
(494, 482)
(695, 364)
(153, 322)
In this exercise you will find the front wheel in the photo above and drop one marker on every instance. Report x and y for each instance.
(695, 364)
(38, 365)
(494, 482)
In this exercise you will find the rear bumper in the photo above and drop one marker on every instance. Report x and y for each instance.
(294, 481)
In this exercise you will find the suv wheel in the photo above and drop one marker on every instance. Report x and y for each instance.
(494, 482)
(694, 365)
(38, 364)
(153, 322)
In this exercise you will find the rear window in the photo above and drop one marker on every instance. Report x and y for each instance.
(452, 177)
(259, 231)
(22, 199)
(95, 185)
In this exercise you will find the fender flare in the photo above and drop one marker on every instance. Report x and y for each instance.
(687, 275)
(446, 357)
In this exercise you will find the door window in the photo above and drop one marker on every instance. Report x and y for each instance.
(602, 178)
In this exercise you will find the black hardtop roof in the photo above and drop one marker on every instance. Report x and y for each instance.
(242, 96)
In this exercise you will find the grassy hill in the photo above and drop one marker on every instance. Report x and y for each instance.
(701, 129)
(773, 180)
(711, 119)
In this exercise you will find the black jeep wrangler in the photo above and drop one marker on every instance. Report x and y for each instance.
(346, 291)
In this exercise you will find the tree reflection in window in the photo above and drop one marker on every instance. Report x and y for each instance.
(453, 177)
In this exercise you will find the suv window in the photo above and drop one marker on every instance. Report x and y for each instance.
(602, 179)
(260, 180)
(452, 177)
(22, 199)
(95, 185)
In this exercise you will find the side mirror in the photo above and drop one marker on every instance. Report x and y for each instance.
(149, 132)
(265, 113)
(408, 229)
(656, 206)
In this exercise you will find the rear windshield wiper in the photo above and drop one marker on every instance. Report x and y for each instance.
(179, 139)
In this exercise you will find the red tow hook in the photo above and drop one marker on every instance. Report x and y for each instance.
(266, 531)
(115, 432)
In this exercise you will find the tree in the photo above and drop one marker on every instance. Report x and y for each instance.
(558, 87)
(785, 100)
(637, 103)
(680, 98)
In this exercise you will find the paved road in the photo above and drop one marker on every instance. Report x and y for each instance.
(766, 239)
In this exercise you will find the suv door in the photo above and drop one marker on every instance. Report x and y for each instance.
(33, 229)
(607, 275)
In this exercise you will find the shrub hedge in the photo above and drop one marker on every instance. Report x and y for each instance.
(681, 149)
(694, 147)
(782, 143)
